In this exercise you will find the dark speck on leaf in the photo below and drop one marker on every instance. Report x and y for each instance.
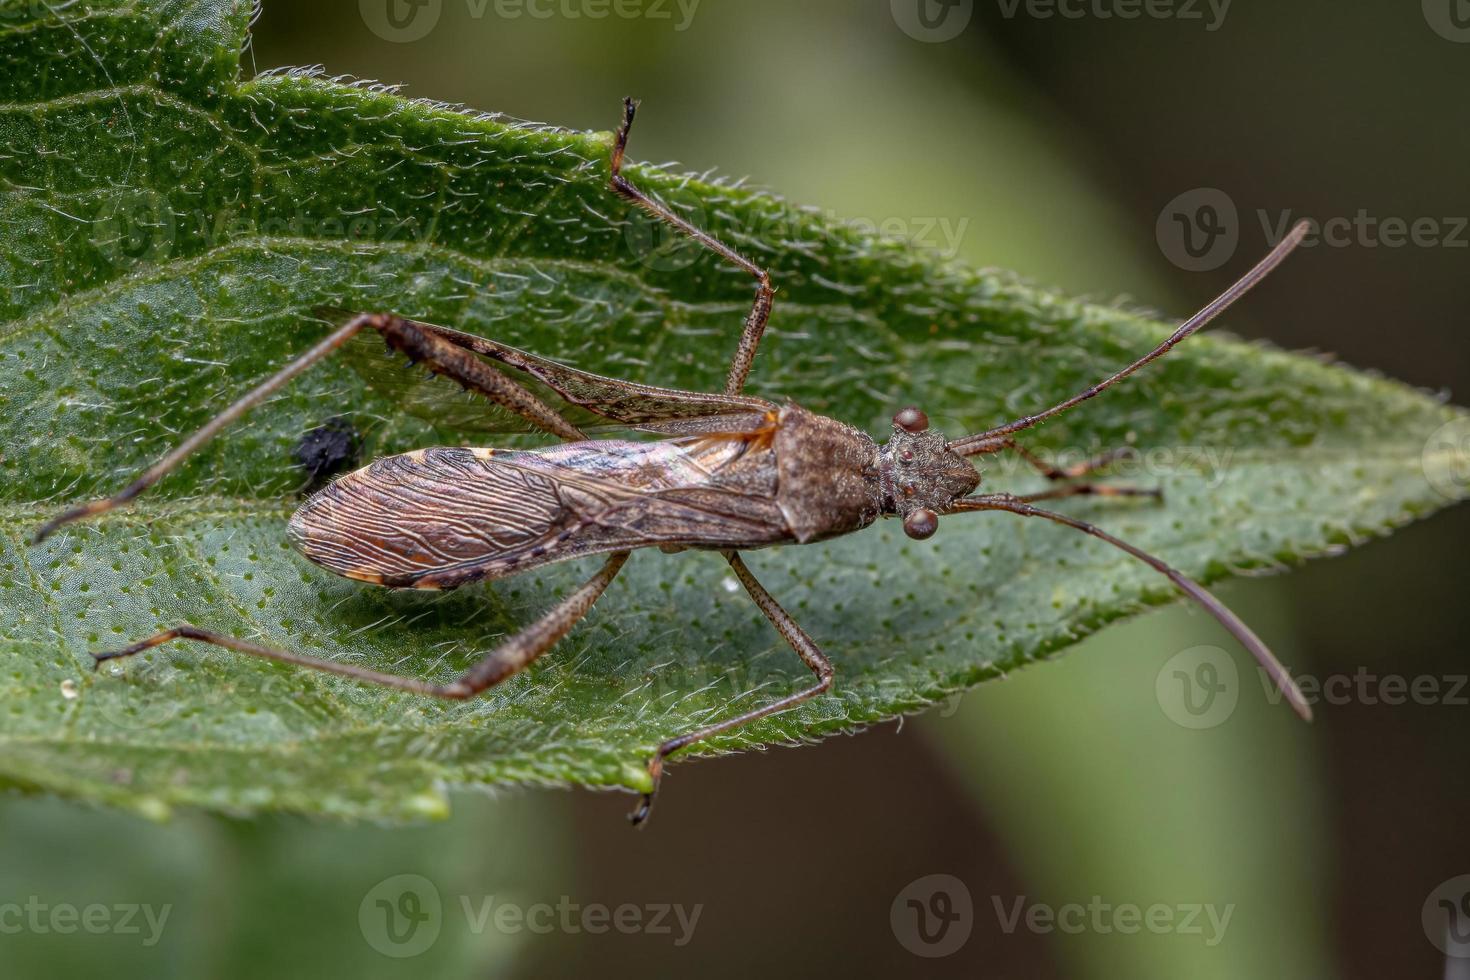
(328, 450)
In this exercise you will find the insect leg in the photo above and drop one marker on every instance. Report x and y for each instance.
(516, 653)
(805, 648)
(1191, 588)
(443, 354)
(760, 313)
(419, 341)
(511, 656)
(1090, 490)
(1084, 468)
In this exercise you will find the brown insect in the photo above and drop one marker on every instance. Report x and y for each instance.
(732, 473)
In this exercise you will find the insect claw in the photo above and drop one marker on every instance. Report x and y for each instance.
(640, 815)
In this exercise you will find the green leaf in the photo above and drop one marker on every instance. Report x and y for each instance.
(169, 228)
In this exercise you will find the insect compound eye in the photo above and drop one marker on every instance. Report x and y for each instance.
(912, 420)
(921, 524)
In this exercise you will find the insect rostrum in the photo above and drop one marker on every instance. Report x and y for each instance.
(730, 473)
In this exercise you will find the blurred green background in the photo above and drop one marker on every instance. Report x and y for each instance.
(1056, 146)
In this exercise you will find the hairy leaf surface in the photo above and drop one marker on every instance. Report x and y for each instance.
(169, 229)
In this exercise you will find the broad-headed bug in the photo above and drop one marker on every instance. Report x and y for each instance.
(731, 473)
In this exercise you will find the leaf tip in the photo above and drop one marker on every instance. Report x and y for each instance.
(635, 776)
(153, 809)
(430, 805)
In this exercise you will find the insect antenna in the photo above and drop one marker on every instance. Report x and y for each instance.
(1233, 623)
(983, 442)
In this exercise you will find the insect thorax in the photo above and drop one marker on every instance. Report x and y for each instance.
(829, 475)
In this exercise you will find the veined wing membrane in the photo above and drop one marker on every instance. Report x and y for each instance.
(440, 518)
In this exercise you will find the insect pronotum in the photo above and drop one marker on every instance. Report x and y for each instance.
(731, 473)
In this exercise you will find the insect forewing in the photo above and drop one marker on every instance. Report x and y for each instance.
(440, 518)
